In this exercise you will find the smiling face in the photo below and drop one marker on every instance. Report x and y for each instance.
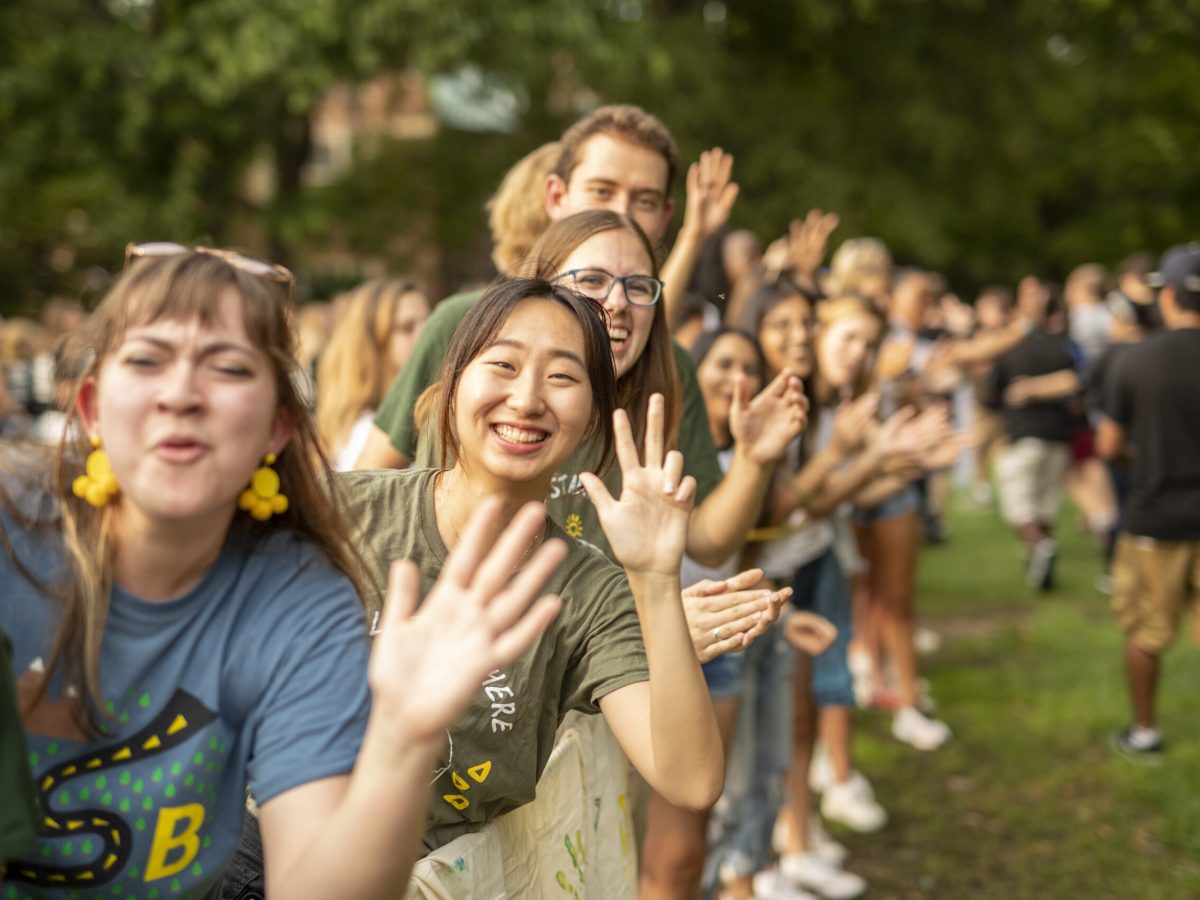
(618, 252)
(844, 347)
(729, 356)
(617, 175)
(524, 402)
(786, 334)
(185, 411)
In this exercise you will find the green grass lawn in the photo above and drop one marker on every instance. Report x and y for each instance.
(1029, 800)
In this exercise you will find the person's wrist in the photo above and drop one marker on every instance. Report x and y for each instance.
(390, 736)
(655, 577)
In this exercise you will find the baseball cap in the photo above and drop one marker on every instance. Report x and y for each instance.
(1179, 267)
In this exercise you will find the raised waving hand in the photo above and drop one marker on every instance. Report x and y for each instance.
(711, 193)
(763, 427)
(647, 527)
(428, 662)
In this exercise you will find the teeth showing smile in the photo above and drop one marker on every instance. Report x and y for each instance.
(618, 334)
(520, 435)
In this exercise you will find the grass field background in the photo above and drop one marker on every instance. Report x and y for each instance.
(1030, 800)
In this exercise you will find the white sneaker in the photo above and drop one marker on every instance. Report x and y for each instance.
(926, 641)
(852, 803)
(820, 843)
(910, 726)
(830, 881)
(862, 671)
(770, 885)
(820, 770)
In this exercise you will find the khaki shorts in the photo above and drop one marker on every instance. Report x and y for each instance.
(1153, 583)
(1032, 478)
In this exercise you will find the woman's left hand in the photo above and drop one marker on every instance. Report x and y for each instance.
(647, 527)
(728, 615)
(763, 428)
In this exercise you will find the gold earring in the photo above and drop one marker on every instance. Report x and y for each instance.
(262, 499)
(99, 485)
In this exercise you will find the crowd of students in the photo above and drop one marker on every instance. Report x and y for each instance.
(367, 579)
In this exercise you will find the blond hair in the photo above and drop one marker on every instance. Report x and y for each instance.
(517, 211)
(856, 260)
(354, 372)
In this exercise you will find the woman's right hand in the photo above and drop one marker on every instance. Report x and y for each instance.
(427, 663)
(728, 615)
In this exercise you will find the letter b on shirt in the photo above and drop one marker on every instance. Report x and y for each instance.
(174, 840)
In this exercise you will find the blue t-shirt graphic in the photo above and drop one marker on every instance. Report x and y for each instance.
(255, 678)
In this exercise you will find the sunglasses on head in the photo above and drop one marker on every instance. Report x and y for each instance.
(257, 267)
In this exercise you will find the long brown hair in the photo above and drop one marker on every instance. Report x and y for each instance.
(188, 285)
(354, 371)
(655, 370)
(479, 328)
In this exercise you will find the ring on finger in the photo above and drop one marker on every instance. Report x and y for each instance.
(717, 633)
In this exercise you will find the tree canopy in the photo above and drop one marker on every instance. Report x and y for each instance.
(983, 139)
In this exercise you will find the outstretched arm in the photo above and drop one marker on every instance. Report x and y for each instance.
(1041, 388)
(425, 666)
(666, 725)
(762, 428)
(711, 193)
(379, 453)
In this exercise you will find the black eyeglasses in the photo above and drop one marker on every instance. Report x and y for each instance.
(640, 290)
(256, 267)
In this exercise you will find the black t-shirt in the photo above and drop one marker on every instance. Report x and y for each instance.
(1154, 394)
(1099, 378)
(1039, 353)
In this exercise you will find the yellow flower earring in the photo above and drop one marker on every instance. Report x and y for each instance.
(262, 499)
(99, 485)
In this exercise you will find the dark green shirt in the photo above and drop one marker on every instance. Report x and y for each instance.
(499, 746)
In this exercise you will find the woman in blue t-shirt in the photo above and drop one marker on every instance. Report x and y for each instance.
(186, 623)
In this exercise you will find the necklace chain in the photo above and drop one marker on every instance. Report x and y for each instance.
(440, 488)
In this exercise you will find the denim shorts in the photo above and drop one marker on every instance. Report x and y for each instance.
(821, 587)
(906, 500)
(724, 675)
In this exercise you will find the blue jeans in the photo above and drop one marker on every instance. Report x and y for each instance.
(822, 587)
(740, 834)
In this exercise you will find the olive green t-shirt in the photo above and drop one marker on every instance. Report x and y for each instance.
(569, 506)
(499, 746)
(18, 814)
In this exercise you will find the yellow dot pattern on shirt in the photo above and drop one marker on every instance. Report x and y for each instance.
(479, 774)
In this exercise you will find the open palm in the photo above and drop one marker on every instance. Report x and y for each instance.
(427, 663)
(647, 527)
(764, 426)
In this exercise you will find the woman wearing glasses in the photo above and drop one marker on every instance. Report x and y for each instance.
(607, 257)
(186, 622)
